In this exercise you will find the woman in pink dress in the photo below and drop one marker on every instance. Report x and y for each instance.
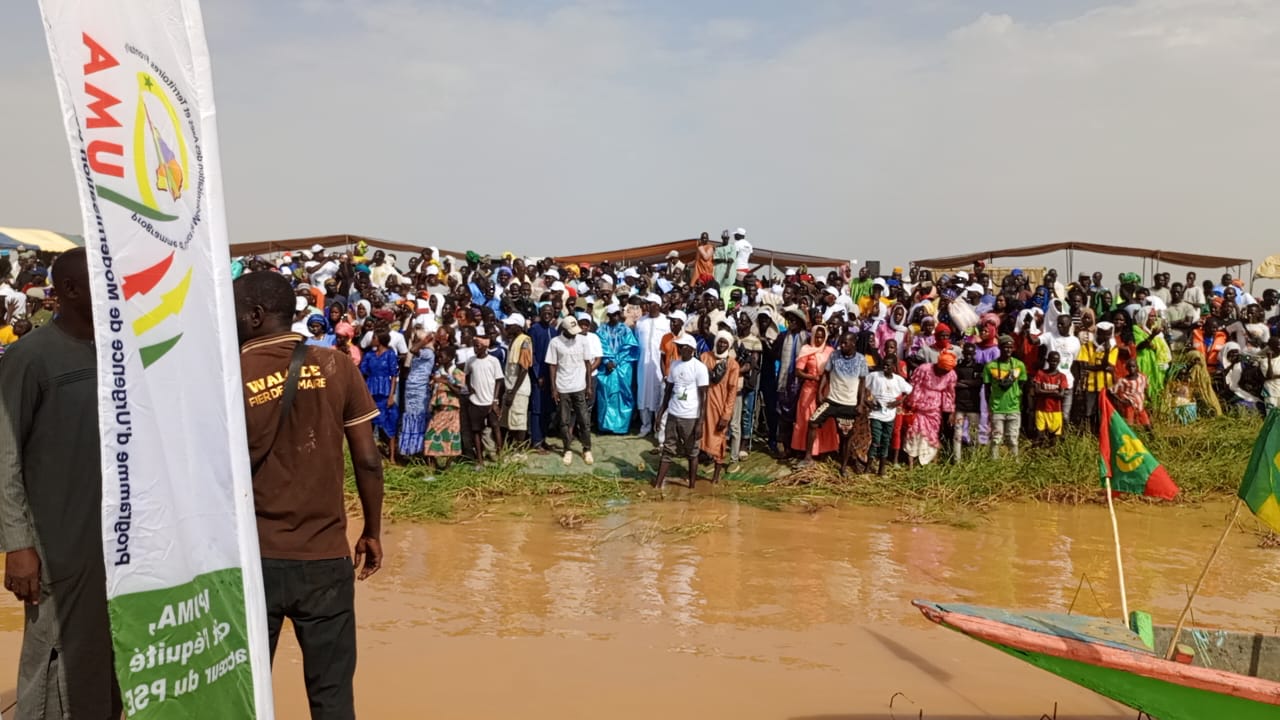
(811, 368)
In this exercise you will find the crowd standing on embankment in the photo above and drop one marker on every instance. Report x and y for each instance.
(463, 356)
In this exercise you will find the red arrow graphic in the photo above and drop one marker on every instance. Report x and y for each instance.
(144, 281)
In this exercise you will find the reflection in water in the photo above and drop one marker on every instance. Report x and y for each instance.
(506, 577)
(765, 615)
(520, 577)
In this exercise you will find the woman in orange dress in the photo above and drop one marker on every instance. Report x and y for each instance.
(811, 367)
(722, 394)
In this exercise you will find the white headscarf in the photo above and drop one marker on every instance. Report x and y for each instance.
(963, 315)
(1037, 317)
(726, 335)
(1056, 307)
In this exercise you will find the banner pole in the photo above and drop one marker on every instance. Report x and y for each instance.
(1182, 618)
(1115, 533)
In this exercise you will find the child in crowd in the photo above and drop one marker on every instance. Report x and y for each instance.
(887, 389)
(1048, 388)
(1130, 396)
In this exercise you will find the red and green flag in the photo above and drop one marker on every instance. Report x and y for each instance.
(1258, 489)
(1125, 459)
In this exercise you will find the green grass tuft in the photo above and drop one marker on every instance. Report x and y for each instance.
(1206, 459)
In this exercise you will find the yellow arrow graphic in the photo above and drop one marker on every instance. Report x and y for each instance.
(171, 304)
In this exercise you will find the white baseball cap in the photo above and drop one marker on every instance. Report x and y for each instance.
(571, 325)
(686, 340)
(514, 319)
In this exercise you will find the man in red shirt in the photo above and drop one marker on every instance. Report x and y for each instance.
(1048, 388)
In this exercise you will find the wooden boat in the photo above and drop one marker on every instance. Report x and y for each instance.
(1232, 676)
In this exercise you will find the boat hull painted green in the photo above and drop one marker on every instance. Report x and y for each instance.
(1157, 698)
(1108, 658)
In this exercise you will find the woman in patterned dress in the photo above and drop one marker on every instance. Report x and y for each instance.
(443, 439)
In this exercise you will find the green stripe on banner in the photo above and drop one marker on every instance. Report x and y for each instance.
(129, 203)
(152, 353)
(183, 648)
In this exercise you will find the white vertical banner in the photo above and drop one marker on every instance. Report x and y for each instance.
(184, 584)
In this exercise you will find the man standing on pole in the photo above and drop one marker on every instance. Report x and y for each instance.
(51, 509)
(295, 450)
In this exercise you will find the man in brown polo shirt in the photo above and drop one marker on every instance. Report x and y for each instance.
(307, 565)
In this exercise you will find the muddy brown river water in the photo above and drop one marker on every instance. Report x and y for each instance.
(761, 615)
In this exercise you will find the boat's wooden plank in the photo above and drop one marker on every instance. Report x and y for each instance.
(1076, 627)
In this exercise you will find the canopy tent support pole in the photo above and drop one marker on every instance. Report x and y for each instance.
(1182, 619)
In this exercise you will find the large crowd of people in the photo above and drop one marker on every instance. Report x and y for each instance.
(715, 358)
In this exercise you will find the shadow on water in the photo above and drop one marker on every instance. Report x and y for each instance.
(917, 660)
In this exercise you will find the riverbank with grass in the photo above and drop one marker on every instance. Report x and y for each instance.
(1206, 460)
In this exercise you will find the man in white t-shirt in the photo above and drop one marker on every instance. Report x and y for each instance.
(888, 389)
(570, 359)
(684, 404)
(1067, 345)
(484, 379)
(1192, 292)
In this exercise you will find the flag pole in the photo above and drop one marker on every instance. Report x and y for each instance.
(1115, 532)
(1182, 619)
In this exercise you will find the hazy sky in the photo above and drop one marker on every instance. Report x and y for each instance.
(885, 129)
